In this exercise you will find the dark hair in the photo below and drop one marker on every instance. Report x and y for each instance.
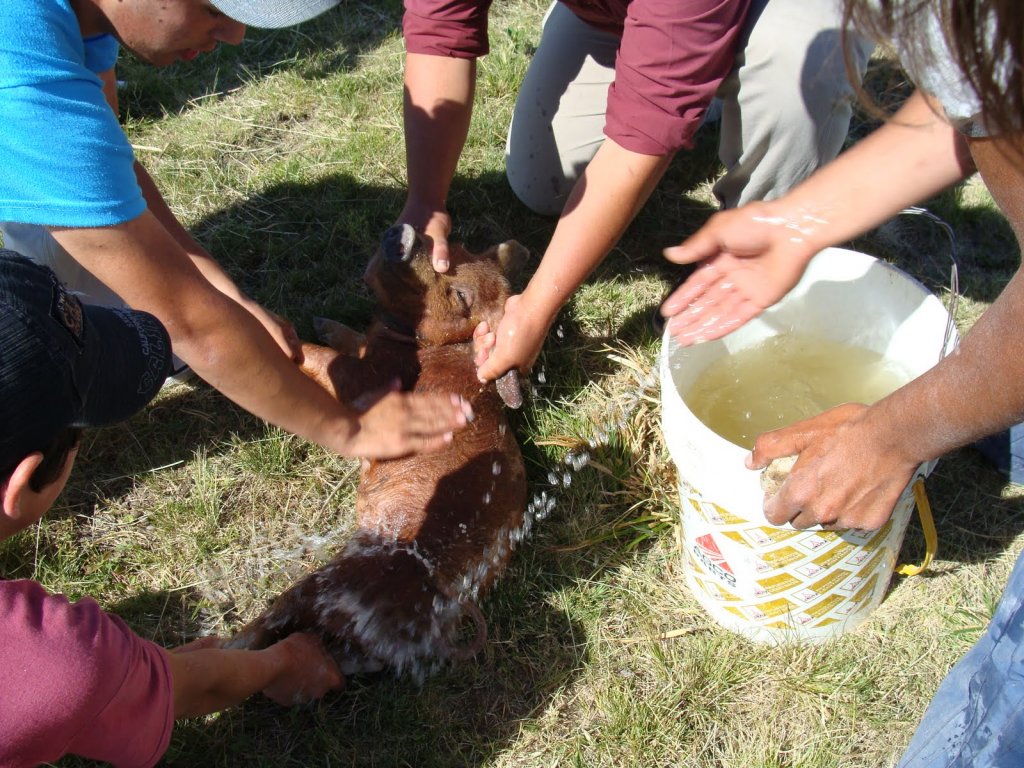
(986, 38)
(55, 456)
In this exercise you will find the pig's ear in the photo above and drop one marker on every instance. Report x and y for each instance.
(512, 257)
(509, 389)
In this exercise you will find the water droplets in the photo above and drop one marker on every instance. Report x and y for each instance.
(577, 459)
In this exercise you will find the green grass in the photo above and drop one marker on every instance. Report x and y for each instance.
(285, 156)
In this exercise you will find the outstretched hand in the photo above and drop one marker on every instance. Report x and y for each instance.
(394, 423)
(751, 259)
(844, 477)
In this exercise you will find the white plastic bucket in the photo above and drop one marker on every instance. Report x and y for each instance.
(775, 584)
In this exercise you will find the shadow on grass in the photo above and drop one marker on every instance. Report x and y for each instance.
(168, 432)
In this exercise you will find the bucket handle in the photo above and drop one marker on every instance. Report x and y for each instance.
(954, 273)
(931, 536)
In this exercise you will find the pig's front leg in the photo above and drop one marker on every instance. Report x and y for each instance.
(340, 337)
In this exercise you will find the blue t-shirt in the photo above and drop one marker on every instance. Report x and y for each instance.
(64, 160)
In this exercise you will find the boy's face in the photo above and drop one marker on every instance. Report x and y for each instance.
(165, 31)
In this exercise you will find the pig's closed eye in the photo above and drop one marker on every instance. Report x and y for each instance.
(464, 299)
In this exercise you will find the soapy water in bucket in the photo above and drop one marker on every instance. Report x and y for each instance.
(784, 379)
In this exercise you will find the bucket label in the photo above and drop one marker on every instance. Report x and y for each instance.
(714, 514)
(852, 584)
(764, 535)
(695, 565)
(757, 577)
(834, 555)
(735, 611)
(868, 539)
(810, 570)
(719, 593)
(858, 537)
(781, 557)
(876, 560)
(823, 586)
(815, 540)
(866, 590)
(769, 609)
(737, 537)
(818, 610)
(710, 556)
(724, 516)
(775, 584)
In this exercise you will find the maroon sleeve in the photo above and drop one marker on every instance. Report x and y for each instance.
(456, 28)
(673, 56)
(76, 680)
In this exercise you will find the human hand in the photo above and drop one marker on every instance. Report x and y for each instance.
(514, 344)
(394, 423)
(433, 222)
(280, 329)
(844, 477)
(752, 258)
(306, 673)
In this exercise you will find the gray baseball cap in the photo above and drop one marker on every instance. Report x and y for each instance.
(272, 14)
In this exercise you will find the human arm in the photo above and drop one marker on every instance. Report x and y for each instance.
(226, 346)
(292, 671)
(154, 264)
(77, 680)
(603, 202)
(854, 461)
(670, 59)
(752, 256)
(280, 329)
(438, 104)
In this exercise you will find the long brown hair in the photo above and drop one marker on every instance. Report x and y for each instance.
(986, 38)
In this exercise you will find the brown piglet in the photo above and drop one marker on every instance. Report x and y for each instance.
(433, 530)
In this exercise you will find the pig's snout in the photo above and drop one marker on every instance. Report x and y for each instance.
(399, 243)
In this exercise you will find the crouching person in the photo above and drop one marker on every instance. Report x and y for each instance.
(74, 679)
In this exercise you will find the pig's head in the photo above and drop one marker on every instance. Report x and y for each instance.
(440, 308)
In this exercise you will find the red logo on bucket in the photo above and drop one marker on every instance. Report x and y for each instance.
(711, 557)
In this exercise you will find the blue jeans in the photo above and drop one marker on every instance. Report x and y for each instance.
(976, 719)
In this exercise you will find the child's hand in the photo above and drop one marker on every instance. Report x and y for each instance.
(307, 671)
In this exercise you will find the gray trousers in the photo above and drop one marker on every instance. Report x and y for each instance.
(786, 105)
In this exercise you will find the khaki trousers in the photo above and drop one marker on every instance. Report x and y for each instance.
(785, 107)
